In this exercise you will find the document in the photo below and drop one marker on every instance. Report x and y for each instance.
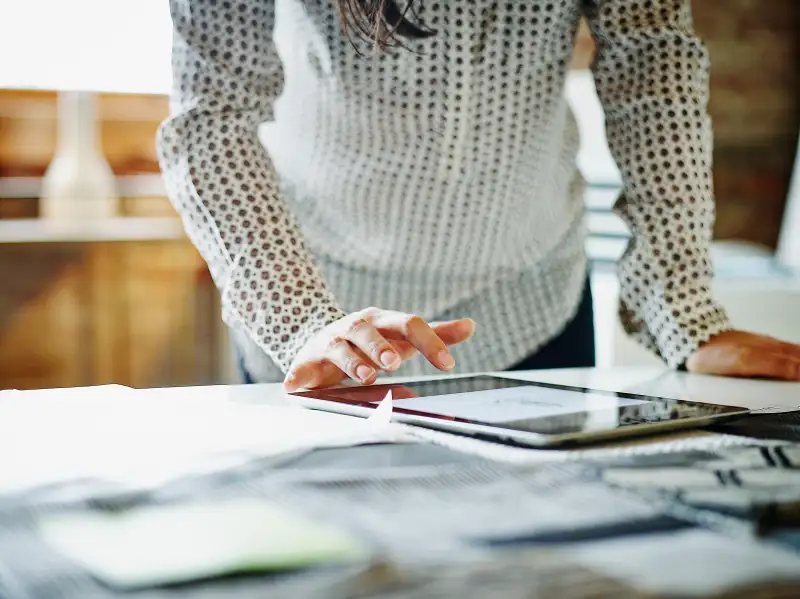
(143, 438)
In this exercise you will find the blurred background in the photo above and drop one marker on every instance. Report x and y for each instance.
(116, 293)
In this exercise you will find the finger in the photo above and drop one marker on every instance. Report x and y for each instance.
(315, 375)
(746, 362)
(404, 348)
(341, 353)
(778, 346)
(791, 349)
(452, 333)
(455, 331)
(771, 365)
(418, 333)
(376, 347)
(330, 376)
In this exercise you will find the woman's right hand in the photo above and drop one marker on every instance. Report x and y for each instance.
(362, 344)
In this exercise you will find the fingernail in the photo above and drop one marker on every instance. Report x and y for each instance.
(389, 358)
(364, 372)
(446, 360)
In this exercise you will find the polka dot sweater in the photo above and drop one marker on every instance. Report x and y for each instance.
(317, 176)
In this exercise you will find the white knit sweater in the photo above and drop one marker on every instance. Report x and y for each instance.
(440, 179)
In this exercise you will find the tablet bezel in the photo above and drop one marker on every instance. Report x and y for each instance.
(712, 413)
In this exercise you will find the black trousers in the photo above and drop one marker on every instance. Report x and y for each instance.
(573, 347)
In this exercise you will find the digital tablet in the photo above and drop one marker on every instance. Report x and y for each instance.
(521, 412)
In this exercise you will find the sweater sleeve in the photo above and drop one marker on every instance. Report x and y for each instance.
(226, 76)
(651, 74)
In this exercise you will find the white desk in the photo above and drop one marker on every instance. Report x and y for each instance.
(71, 425)
(660, 382)
(759, 395)
(88, 430)
(655, 381)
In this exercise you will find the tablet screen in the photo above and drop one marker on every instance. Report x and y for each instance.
(521, 405)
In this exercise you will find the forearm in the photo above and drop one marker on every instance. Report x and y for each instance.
(651, 74)
(223, 184)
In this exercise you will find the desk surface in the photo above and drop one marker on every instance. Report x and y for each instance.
(211, 420)
(78, 404)
(753, 394)
(459, 493)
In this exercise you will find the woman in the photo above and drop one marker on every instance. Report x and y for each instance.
(329, 155)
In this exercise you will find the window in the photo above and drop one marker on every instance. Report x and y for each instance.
(91, 45)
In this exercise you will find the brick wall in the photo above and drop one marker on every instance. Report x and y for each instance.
(755, 104)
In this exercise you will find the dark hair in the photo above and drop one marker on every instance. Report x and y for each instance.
(382, 22)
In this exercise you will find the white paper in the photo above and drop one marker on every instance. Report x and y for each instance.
(383, 413)
(143, 438)
(515, 403)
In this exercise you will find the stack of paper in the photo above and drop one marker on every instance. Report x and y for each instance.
(143, 438)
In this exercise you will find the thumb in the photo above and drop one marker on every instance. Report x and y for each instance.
(303, 376)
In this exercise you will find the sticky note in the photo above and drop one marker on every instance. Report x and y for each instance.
(162, 545)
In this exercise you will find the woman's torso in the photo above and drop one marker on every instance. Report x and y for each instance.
(440, 180)
(452, 158)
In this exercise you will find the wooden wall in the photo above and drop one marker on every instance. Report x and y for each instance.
(139, 314)
(28, 131)
(132, 313)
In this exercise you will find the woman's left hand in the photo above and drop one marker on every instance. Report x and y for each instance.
(737, 353)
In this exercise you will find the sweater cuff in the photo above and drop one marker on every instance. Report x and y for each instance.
(680, 332)
(284, 352)
(278, 309)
